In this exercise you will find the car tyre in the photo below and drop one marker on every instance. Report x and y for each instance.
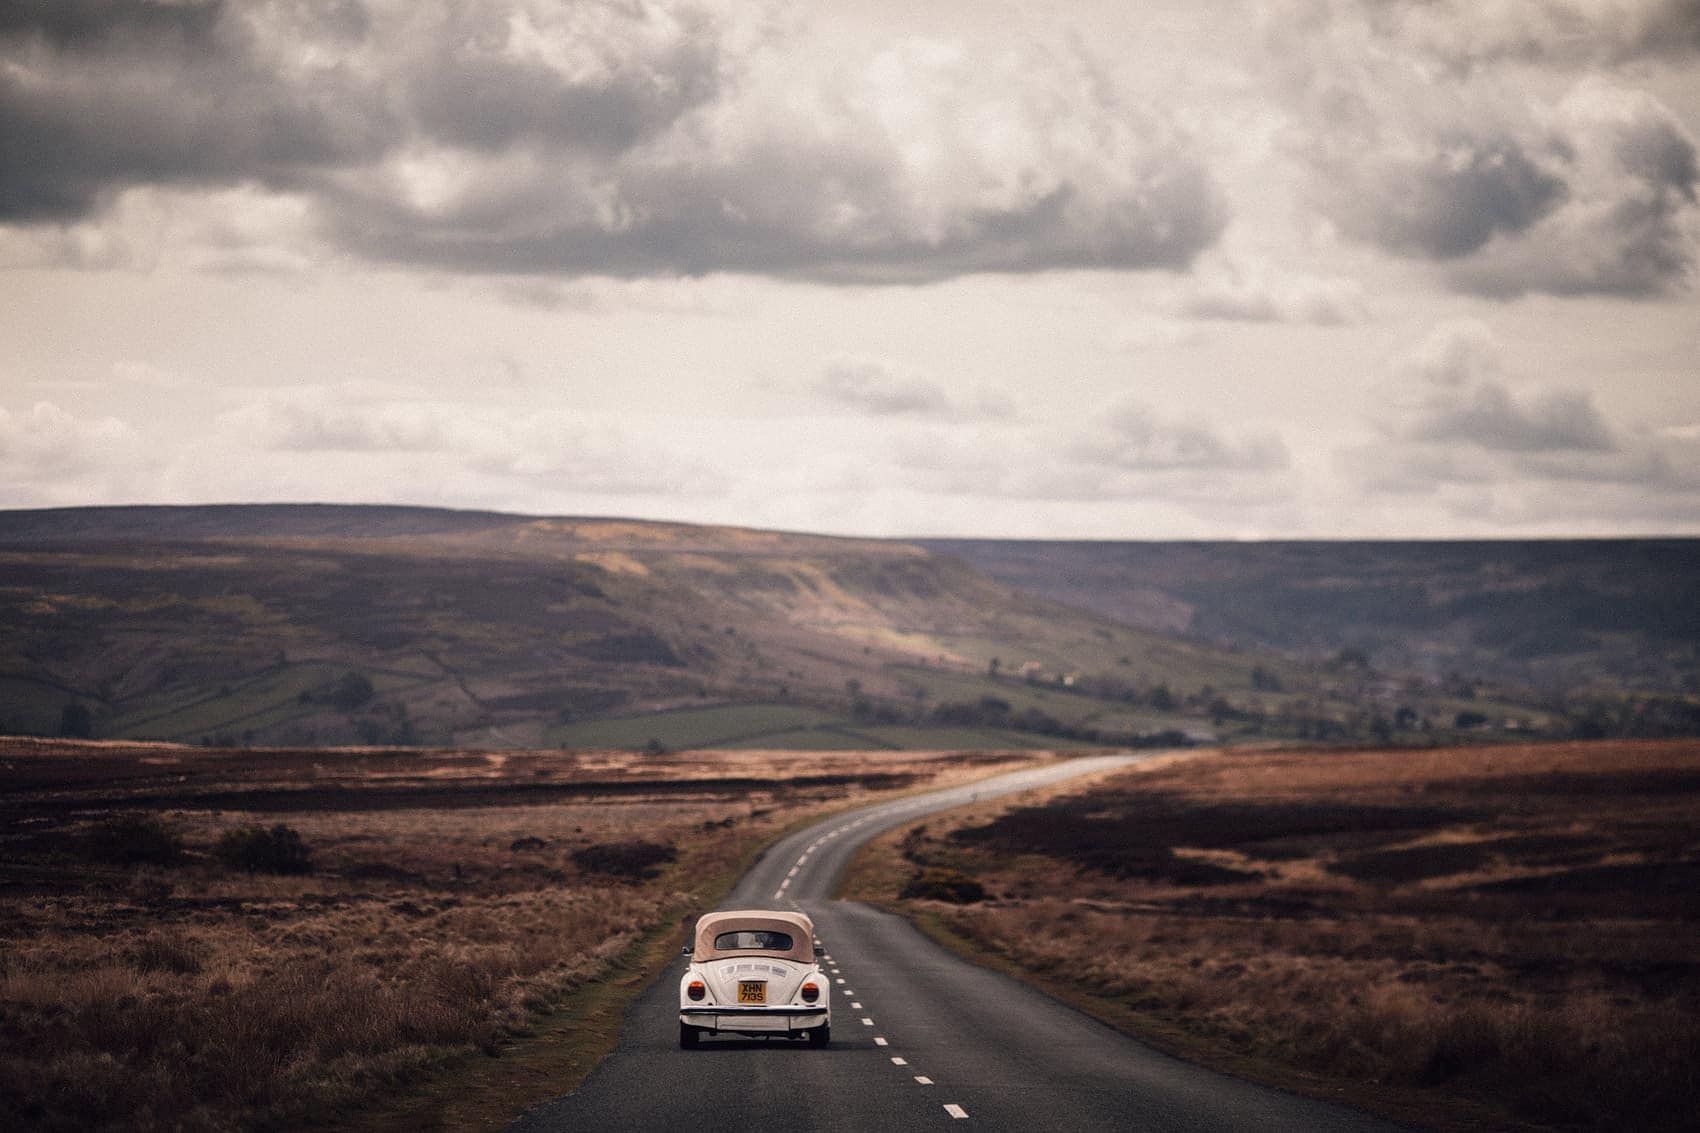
(821, 1035)
(688, 1036)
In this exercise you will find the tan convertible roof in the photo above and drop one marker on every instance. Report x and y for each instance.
(800, 928)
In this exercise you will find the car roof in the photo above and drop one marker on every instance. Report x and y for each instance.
(797, 925)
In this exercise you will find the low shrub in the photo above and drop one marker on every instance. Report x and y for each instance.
(258, 850)
(133, 839)
(628, 861)
(167, 952)
(944, 885)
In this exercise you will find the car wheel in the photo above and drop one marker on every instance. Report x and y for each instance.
(821, 1035)
(688, 1037)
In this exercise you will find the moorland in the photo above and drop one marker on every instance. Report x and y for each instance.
(321, 625)
(1491, 937)
(1557, 615)
(206, 940)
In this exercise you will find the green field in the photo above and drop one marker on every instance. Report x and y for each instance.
(778, 727)
(269, 699)
(31, 707)
(1068, 706)
(719, 726)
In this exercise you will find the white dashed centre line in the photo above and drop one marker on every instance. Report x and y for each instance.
(855, 1007)
(955, 1111)
(923, 1079)
(878, 1041)
(866, 1022)
(896, 1061)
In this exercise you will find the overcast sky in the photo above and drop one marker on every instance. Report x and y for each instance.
(1174, 269)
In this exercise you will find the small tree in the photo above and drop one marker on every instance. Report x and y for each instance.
(633, 861)
(75, 722)
(351, 691)
(258, 850)
(937, 884)
(133, 839)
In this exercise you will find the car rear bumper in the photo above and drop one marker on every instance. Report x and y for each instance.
(754, 1019)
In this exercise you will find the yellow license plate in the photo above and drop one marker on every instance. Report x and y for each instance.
(752, 991)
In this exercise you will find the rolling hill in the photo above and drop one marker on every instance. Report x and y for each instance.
(326, 625)
(313, 624)
(1557, 616)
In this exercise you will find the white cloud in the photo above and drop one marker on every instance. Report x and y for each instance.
(1133, 438)
(883, 388)
(327, 423)
(544, 453)
(1130, 453)
(1457, 431)
(1148, 332)
(1241, 291)
(51, 456)
(1453, 391)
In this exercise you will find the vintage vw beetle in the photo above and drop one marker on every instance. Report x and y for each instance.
(753, 972)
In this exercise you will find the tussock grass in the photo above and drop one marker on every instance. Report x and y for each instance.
(210, 1027)
(1461, 949)
(193, 990)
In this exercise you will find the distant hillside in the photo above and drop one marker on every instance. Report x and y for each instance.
(305, 625)
(317, 624)
(1559, 616)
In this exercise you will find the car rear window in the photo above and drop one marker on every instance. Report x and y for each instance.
(762, 939)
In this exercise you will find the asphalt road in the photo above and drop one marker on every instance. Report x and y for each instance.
(920, 1039)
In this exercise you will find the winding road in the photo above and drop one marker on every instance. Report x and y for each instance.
(920, 1038)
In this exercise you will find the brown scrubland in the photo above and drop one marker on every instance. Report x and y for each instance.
(1487, 937)
(210, 940)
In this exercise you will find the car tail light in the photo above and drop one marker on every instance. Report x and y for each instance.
(695, 989)
(810, 992)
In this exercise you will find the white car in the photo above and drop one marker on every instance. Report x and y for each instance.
(753, 972)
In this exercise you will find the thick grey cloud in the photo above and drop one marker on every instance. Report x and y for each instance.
(1451, 200)
(598, 137)
(595, 75)
(862, 174)
(85, 24)
(1629, 223)
(1504, 187)
(97, 97)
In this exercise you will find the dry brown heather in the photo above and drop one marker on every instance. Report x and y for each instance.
(145, 984)
(1484, 937)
